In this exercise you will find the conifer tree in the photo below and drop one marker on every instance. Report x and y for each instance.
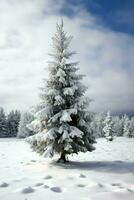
(126, 126)
(13, 119)
(120, 126)
(3, 124)
(62, 114)
(99, 119)
(108, 128)
(131, 134)
(117, 126)
(23, 130)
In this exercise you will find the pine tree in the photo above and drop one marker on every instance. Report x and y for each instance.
(117, 126)
(126, 125)
(62, 115)
(23, 130)
(3, 124)
(99, 119)
(13, 123)
(120, 127)
(108, 128)
(131, 134)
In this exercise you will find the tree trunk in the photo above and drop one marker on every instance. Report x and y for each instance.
(62, 158)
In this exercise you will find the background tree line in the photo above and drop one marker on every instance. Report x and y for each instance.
(15, 124)
(9, 123)
(105, 125)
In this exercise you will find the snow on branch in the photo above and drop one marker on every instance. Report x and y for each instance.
(75, 132)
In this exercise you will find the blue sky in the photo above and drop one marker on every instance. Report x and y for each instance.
(103, 36)
(117, 15)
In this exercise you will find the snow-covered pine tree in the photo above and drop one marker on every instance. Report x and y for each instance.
(98, 124)
(120, 127)
(117, 126)
(62, 116)
(23, 130)
(13, 119)
(126, 126)
(108, 127)
(3, 124)
(131, 134)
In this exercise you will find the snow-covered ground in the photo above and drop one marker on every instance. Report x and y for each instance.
(106, 174)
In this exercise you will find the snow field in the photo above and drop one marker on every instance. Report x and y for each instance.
(106, 173)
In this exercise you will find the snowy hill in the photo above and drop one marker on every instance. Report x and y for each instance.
(106, 173)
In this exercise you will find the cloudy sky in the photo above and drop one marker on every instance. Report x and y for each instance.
(103, 33)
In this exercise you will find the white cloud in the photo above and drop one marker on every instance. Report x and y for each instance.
(106, 57)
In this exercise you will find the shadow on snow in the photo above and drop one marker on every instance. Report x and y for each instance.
(102, 166)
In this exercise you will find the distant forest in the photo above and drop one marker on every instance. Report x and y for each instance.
(15, 124)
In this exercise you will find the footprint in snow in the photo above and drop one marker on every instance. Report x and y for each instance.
(4, 184)
(27, 190)
(46, 186)
(116, 184)
(81, 185)
(56, 189)
(38, 184)
(130, 190)
(27, 163)
(119, 185)
(48, 177)
(82, 176)
(33, 160)
(100, 185)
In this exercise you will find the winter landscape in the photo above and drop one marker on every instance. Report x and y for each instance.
(66, 128)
